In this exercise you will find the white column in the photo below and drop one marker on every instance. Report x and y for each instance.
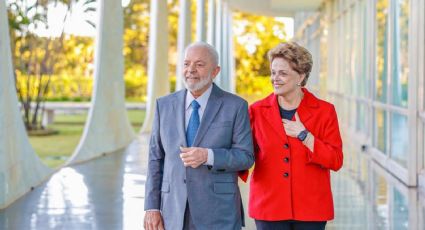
(218, 39)
(200, 20)
(20, 167)
(108, 128)
(224, 77)
(231, 53)
(183, 40)
(158, 82)
(211, 22)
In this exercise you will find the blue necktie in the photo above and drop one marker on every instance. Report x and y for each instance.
(193, 125)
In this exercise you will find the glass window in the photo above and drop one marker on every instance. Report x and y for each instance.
(352, 112)
(400, 211)
(364, 85)
(381, 202)
(361, 114)
(381, 49)
(400, 73)
(381, 130)
(399, 138)
(423, 146)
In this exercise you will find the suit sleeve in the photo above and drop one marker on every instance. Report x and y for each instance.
(240, 156)
(155, 166)
(327, 150)
(244, 174)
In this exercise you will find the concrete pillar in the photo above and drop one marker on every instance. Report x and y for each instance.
(211, 22)
(200, 20)
(230, 53)
(183, 39)
(20, 167)
(218, 39)
(224, 77)
(158, 82)
(108, 128)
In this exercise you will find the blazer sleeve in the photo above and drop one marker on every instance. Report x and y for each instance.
(240, 156)
(327, 150)
(155, 166)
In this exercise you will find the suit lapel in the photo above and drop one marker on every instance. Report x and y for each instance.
(213, 106)
(179, 111)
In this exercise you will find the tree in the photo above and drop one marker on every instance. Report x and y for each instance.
(253, 37)
(35, 57)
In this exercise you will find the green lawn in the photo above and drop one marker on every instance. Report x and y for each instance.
(54, 150)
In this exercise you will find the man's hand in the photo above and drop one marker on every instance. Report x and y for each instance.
(293, 128)
(193, 156)
(153, 221)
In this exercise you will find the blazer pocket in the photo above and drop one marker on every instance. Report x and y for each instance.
(165, 187)
(225, 188)
(221, 124)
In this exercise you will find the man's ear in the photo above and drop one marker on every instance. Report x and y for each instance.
(215, 71)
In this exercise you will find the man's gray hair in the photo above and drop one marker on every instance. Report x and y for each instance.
(211, 50)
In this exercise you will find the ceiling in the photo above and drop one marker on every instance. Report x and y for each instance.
(277, 8)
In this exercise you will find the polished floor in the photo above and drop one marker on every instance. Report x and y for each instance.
(108, 193)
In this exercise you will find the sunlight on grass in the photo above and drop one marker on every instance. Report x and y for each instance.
(54, 150)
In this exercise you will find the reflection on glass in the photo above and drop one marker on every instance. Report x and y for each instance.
(381, 130)
(361, 118)
(364, 82)
(381, 49)
(381, 202)
(400, 47)
(348, 84)
(400, 211)
(399, 138)
(423, 143)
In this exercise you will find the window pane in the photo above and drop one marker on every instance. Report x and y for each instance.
(381, 49)
(399, 138)
(423, 147)
(364, 86)
(400, 217)
(381, 130)
(361, 118)
(400, 64)
(381, 201)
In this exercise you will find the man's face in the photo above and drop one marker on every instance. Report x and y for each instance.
(199, 70)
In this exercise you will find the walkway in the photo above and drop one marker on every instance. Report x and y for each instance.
(108, 193)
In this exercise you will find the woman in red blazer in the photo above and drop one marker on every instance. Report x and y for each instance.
(296, 142)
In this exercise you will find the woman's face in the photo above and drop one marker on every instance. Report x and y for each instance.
(284, 78)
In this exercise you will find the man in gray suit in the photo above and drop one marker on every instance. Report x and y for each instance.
(201, 139)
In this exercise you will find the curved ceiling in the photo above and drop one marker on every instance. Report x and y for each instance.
(277, 8)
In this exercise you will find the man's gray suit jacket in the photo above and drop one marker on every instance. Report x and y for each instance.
(212, 192)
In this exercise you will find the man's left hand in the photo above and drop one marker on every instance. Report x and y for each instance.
(293, 128)
(193, 156)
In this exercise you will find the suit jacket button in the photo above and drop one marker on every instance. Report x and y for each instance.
(286, 146)
(286, 159)
(286, 174)
(184, 181)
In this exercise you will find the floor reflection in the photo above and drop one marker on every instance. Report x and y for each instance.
(108, 193)
(377, 201)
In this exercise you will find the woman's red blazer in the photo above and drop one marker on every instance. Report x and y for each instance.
(289, 182)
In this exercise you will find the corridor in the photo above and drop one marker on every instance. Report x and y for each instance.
(108, 193)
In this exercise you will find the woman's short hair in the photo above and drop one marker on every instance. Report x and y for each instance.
(299, 58)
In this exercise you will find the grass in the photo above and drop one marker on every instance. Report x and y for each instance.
(54, 150)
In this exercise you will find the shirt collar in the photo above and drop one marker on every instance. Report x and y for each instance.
(202, 100)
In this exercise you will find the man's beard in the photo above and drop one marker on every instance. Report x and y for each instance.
(200, 85)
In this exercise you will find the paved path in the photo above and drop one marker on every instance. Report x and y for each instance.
(108, 193)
